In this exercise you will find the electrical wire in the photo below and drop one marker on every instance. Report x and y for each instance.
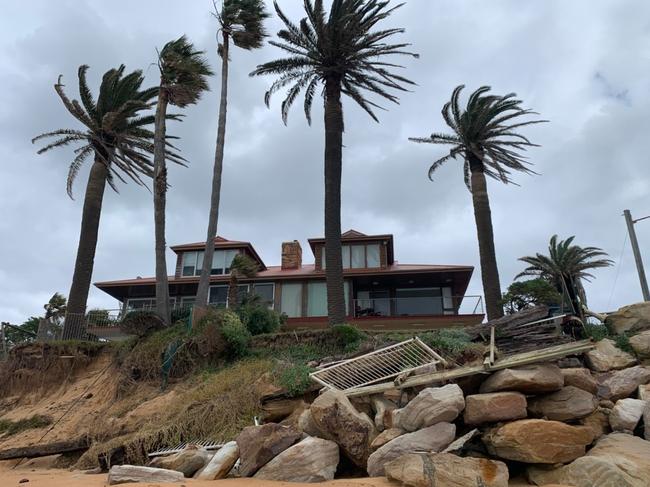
(618, 270)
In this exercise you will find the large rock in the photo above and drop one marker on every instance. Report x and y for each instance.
(581, 378)
(607, 356)
(432, 439)
(635, 317)
(598, 422)
(259, 444)
(337, 418)
(564, 405)
(221, 463)
(311, 460)
(493, 407)
(644, 392)
(624, 383)
(382, 408)
(626, 415)
(385, 436)
(538, 441)
(122, 474)
(188, 461)
(529, 379)
(431, 406)
(646, 421)
(446, 470)
(617, 460)
(641, 344)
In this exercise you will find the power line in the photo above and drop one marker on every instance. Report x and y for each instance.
(618, 270)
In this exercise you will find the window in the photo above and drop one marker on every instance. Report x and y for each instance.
(447, 301)
(418, 301)
(357, 256)
(218, 296)
(291, 299)
(221, 260)
(266, 291)
(187, 301)
(141, 304)
(317, 299)
(372, 255)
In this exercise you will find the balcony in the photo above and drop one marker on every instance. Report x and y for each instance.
(418, 306)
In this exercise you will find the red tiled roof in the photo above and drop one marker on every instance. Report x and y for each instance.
(306, 271)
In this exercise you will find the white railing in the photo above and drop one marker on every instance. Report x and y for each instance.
(418, 306)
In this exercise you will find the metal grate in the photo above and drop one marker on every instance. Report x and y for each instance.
(207, 444)
(380, 365)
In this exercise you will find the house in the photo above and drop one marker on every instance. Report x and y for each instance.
(380, 292)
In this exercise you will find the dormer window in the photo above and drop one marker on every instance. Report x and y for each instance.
(221, 260)
(358, 256)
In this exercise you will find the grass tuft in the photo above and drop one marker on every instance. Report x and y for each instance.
(9, 427)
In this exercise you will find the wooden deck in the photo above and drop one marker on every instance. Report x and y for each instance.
(390, 323)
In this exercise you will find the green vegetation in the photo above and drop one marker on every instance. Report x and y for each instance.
(295, 379)
(9, 427)
(141, 323)
(526, 294)
(599, 332)
(235, 334)
(257, 317)
(348, 337)
(451, 343)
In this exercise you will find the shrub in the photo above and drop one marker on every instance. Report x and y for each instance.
(9, 427)
(347, 336)
(235, 334)
(597, 332)
(141, 323)
(295, 379)
(454, 343)
(181, 314)
(258, 319)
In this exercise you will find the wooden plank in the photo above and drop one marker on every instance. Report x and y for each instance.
(447, 375)
(44, 450)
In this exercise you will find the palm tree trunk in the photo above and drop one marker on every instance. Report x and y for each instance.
(204, 282)
(159, 202)
(483, 217)
(333, 167)
(75, 327)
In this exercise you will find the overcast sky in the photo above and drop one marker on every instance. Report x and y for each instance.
(583, 65)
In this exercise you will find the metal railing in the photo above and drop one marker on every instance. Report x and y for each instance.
(418, 306)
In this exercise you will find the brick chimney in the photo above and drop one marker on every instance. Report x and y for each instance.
(291, 255)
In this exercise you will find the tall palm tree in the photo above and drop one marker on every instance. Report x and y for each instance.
(241, 21)
(343, 52)
(566, 266)
(183, 73)
(116, 136)
(241, 266)
(485, 138)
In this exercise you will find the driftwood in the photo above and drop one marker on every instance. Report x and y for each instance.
(44, 450)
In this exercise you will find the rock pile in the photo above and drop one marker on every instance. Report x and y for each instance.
(581, 426)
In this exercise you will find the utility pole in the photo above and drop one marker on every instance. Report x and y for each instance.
(637, 253)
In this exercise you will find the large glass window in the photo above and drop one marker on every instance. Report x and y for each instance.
(316, 299)
(291, 299)
(266, 292)
(221, 260)
(218, 296)
(418, 301)
(372, 255)
(357, 256)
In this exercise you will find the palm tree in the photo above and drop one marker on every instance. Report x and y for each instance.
(485, 137)
(241, 21)
(183, 72)
(241, 266)
(342, 52)
(115, 134)
(566, 266)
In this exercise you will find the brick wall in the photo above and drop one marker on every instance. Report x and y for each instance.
(291, 255)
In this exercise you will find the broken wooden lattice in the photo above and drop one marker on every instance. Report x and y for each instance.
(379, 366)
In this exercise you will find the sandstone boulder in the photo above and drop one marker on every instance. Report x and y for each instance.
(311, 460)
(538, 441)
(188, 461)
(641, 344)
(598, 422)
(432, 439)
(617, 460)
(335, 416)
(529, 379)
(460, 444)
(382, 408)
(431, 406)
(607, 356)
(646, 421)
(581, 378)
(445, 469)
(385, 436)
(259, 444)
(493, 407)
(221, 463)
(635, 317)
(626, 415)
(564, 405)
(644, 392)
(122, 474)
(624, 383)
